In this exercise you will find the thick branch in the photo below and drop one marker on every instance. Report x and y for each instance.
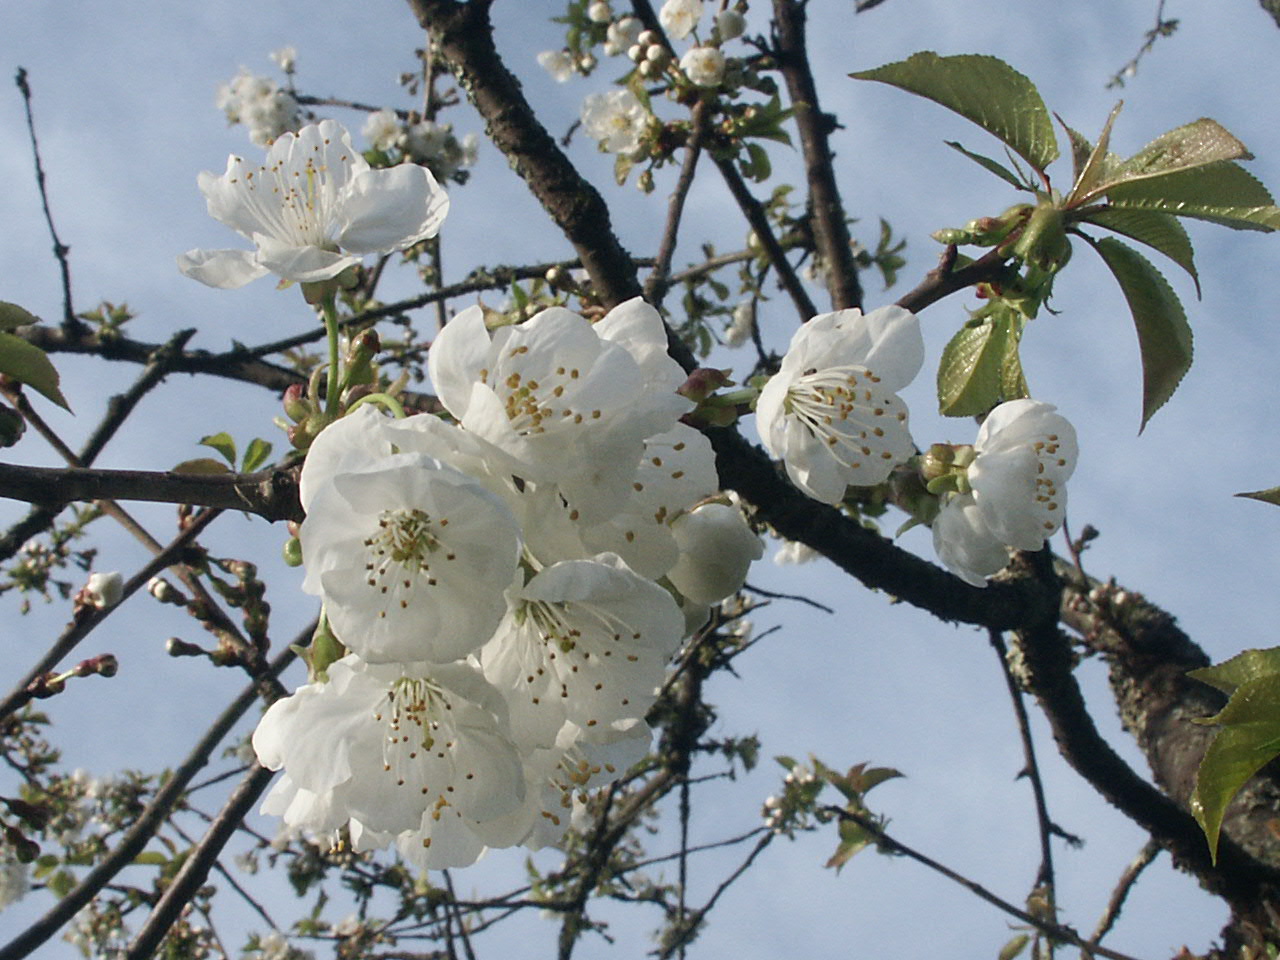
(830, 231)
(272, 494)
(465, 37)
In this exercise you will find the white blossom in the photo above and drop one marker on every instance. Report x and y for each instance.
(584, 641)
(599, 12)
(1023, 456)
(617, 120)
(704, 66)
(262, 106)
(680, 17)
(794, 552)
(411, 555)
(313, 209)
(286, 58)
(395, 747)
(831, 413)
(383, 130)
(558, 63)
(742, 326)
(622, 35)
(436, 146)
(571, 402)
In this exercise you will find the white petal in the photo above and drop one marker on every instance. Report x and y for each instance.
(717, 547)
(224, 269)
(458, 355)
(386, 210)
(963, 542)
(302, 264)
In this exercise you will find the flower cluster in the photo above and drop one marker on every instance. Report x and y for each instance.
(434, 145)
(833, 416)
(262, 106)
(509, 587)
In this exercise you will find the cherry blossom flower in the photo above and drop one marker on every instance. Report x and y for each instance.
(261, 105)
(396, 747)
(584, 641)
(617, 120)
(383, 130)
(831, 413)
(622, 35)
(730, 24)
(313, 209)
(104, 589)
(411, 555)
(1017, 496)
(704, 66)
(558, 63)
(680, 17)
(569, 401)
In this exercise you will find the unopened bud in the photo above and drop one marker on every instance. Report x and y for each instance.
(293, 552)
(731, 24)
(180, 648)
(104, 590)
(295, 402)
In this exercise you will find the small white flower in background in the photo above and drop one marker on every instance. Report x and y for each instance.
(558, 63)
(274, 946)
(831, 413)
(14, 878)
(704, 66)
(680, 17)
(436, 146)
(622, 36)
(383, 130)
(743, 324)
(312, 210)
(793, 551)
(616, 119)
(104, 589)
(286, 58)
(1024, 454)
(730, 24)
(260, 105)
(599, 12)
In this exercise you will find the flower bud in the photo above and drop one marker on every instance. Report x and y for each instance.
(731, 24)
(12, 426)
(295, 403)
(104, 590)
(599, 12)
(180, 648)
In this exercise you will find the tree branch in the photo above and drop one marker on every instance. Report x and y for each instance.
(465, 37)
(830, 231)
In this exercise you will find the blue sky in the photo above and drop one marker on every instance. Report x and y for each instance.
(125, 112)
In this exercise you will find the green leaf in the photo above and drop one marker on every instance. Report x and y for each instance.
(1157, 230)
(1081, 148)
(202, 466)
(1013, 384)
(1222, 193)
(61, 883)
(222, 443)
(151, 858)
(755, 165)
(999, 169)
(1240, 669)
(983, 89)
(1099, 163)
(1014, 947)
(1164, 336)
(1195, 144)
(969, 374)
(1249, 739)
(12, 315)
(255, 455)
(1271, 495)
(28, 364)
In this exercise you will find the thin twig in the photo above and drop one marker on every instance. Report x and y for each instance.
(89, 618)
(691, 924)
(1055, 930)
(60, 249)
(1044, 876)
(658, 282)
(1150, 850)
(151, 818)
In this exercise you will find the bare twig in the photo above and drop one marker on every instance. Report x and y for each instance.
(151, 818)
(1150, 850)
(1044, 876)
(89, 618)
(658, 282)
(1055, 930)
(60, 250)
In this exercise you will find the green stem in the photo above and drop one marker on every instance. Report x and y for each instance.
(334, 387)
(386, 400)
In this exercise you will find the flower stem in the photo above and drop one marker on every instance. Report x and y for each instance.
(333, 389)
(384, 399)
